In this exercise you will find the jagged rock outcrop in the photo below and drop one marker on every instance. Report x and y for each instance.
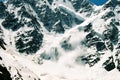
(4, 73)
(3, 11)
(83, 6)
(28, 41)
(30, 20)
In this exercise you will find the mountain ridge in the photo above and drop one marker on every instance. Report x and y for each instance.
(60, 42)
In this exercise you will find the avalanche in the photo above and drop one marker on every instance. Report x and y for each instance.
(60, 40)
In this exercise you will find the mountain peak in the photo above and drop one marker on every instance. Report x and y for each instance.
(112, 3)
(61, 37)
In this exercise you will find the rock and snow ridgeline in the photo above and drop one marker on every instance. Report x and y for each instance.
(60, 40)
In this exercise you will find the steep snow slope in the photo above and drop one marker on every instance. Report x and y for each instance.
(39, 15)
(95, 42)
(16, 69)
(88, 47)
(24, 69)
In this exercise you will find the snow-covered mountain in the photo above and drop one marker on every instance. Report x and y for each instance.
(59, 40)
(43, 17)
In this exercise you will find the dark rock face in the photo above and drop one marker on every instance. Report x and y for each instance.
(91, 59)
(76, 4)
(82, 6)
(111, 34)
(3, 11)
(24, 13)
(47, 16)
(112, 4)
(88, 27)
(58, 28)
(30, 13)
(50, 1)
(17, 3)
(0, 58)
(117, 55)
(4, 73)
(2, 43)
(1, 32)
(109, 45)
(11, 22)
(92, 39)
(90, 35)
(57, 20)
(114, 36)
(106, 41)
(2, 7)
(100, 46)
(108, 15)
(67, 17)
(109, 64)
(29, 41)
(54, 20)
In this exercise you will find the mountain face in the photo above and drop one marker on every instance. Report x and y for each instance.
(83, 6)
(112, 3)
(39, 15)
(59, 40)
(100, 38)
(5, 74)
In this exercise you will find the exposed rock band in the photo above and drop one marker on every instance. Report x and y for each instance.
(2, 44)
